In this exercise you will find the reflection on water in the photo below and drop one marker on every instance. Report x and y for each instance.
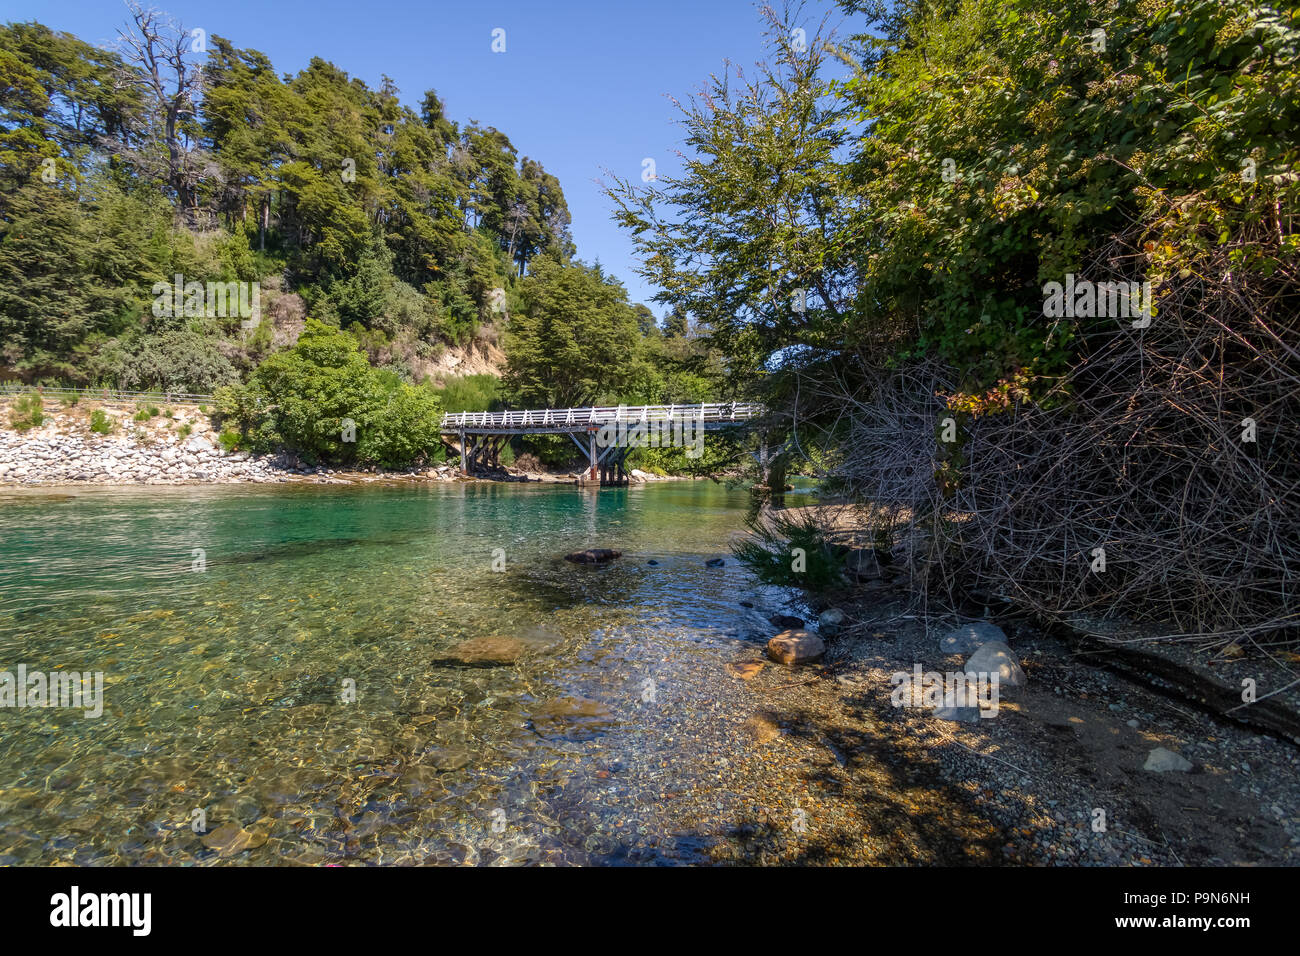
(225, 687)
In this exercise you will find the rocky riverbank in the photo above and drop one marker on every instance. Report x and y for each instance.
(179, 446)
(1076, 763)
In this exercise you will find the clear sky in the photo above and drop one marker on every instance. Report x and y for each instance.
(580, 88)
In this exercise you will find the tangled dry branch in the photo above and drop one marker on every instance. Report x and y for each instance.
(1172, 448)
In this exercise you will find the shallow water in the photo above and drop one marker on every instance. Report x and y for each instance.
(225, 687)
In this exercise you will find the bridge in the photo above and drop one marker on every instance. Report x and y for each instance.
(604, 434)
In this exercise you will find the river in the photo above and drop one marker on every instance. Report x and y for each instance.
(282, 681)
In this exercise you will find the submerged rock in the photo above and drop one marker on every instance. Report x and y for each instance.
(761, 729)
(715, 563)
(593, 556)
(573, 717)
(795, 647)
(745, 670)
(231, 838)
(785, 622)
(487, 651)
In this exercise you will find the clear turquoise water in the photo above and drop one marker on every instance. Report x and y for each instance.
(224, 686)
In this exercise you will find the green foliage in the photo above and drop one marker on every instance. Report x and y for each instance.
(237, 260)
(1055, 145)
(470, 393)
(28, 412)
(395, 220)
(781, 543)
(575, 340)
(756, 217)
(100, 422)
(976, 150)
(304, 397)
(172, 361)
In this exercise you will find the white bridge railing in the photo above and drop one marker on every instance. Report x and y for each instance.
(717, 414)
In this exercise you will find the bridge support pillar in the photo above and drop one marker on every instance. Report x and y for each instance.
(464, 465)
(592, 456)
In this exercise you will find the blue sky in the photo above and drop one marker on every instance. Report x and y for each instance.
(581, 87)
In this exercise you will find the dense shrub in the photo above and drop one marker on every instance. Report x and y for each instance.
(28, 412)
(174, 361)
(324, 401)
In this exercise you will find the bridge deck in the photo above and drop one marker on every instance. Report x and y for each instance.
(542, 421)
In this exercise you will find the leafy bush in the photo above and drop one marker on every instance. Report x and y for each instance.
(100, 422)
(471, 393)
(28, 412)
(324, 401)
(773, 552)
(175, 361)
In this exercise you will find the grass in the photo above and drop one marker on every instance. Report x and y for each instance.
(470, 393)
(100, 422)
(791, 552)
(28, 412)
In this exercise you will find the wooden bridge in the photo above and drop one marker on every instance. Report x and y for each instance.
(605, 434)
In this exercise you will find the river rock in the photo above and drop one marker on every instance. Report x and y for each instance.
(593, 556)
(996, 658)
(969, 638)
(745, 670)
(760, 729)
(830, 621)
(572, 716)
(785, 622)
(715, 563)
(448, 760)
(962, 715)
(795, 647)
(487, 652)
(1161, 760)
(231, 839)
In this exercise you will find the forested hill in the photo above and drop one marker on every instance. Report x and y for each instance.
(177, 154)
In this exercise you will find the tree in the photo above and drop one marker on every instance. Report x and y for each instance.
(751, 239)
(324, 400)
(51, 296)
(169, 85)
(575, 339)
